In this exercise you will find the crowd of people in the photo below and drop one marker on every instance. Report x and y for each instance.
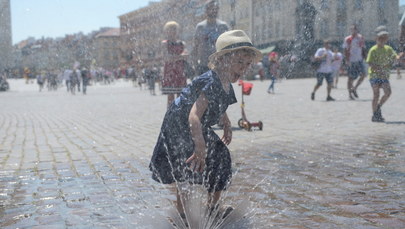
(376, 63)
(77, 79)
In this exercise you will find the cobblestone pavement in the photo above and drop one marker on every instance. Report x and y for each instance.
(82, 161)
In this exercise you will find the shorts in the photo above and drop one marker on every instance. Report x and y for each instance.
(328, 77)
(378, 81)
(355, 69)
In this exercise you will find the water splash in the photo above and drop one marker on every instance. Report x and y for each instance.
(199, 216)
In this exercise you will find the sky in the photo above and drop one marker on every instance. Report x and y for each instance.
(55, 18)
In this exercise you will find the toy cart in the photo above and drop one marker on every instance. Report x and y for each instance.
(243, 122)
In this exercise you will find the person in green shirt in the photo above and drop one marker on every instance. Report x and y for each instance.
(380, 59)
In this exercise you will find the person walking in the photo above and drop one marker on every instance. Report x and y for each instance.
(274, 67)
(174, 76)
(380, 58)
(324, 55)
(188, 149)
(79, 78)
(354, 49)
(336, 65)
(205, 36)
(73, 81)
(66, 76)
(85, 76)
(40, 80)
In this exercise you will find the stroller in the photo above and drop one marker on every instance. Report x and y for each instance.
(243, 122)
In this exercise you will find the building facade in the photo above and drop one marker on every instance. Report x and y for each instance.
(107, 49)
(276, 22)
(5, 35)
(142, 29)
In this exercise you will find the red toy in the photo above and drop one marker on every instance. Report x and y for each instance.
(243, 122)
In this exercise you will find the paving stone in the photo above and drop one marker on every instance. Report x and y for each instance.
(82, 161)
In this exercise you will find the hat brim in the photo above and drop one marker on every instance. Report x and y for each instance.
(382, 33)
(215, 55)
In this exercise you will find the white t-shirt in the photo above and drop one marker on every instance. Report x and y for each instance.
(355, 48)
(326, 65)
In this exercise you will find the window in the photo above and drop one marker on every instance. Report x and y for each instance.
(341, 4)
(324, 29)
(269, 28)
(324, 4)
(341, 28)
(277, 32)
(269, 7)
(380, 12)
(277, 5)
(359, 24)
(381, 4)
(358, 4)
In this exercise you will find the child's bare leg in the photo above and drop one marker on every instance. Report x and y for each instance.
(179, 204)
(387, 92)
(336, 79)
(213, 198)
(359, 81)
(350, 85)
(376, 96)
(170, 98)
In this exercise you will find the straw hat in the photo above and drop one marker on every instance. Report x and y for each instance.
(231, 41)
(381, 30)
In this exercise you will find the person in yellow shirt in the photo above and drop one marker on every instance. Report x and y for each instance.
(380, 59)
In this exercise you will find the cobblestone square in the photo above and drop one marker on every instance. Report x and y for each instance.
(81, 161)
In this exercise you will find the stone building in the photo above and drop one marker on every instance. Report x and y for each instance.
(276, 22)
(142, 29)
(107, 49)
(5, 35)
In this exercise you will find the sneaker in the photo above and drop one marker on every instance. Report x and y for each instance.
(312, 95)
(355, 93)
(376, 118)
(351, 97)
(329, 98)
(379, 114)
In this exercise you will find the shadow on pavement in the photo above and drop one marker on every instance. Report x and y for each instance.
(232, 128)
(396, 122)
(345, 100)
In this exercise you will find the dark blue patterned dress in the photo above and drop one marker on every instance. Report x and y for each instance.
(175, 145)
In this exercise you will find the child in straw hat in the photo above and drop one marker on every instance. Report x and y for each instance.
(187, 149)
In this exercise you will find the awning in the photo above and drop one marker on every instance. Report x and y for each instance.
(267, 50)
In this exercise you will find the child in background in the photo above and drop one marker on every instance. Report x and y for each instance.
(274, 66)
(336, 65)
(188, 149)
(380, 59)
(174, 76)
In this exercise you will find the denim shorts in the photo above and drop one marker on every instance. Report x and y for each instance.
(378, 81)
(355, 69)
(328, 77)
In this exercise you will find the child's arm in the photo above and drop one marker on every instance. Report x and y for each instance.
(227, 137)
(197, 160)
